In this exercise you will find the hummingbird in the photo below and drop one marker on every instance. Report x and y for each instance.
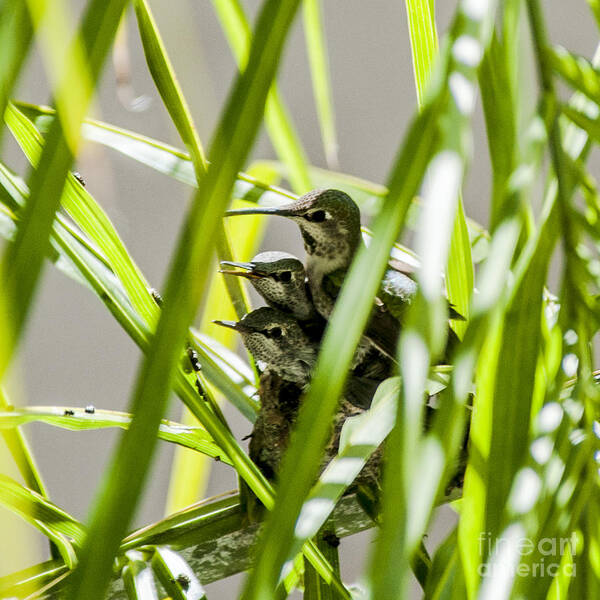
(280, 279)
(329, 222)
(277, 343)
(286, 357)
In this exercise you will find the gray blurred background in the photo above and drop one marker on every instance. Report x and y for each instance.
(75, 354)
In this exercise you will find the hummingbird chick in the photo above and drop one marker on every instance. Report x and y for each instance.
(277, 343)
(286, 357)
(280, 279)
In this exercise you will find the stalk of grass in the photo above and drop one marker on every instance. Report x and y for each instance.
(80, 419)
(424, 46)
(321, 78)
(187, 477)
(235, 133)
(16, 34)
(408, 494)
(277, 119)
(22, 262)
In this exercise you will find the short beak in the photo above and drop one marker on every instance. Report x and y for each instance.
(247, 270)
(281, 211)
(244, 274)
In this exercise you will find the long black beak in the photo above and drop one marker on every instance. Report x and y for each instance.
(234, 325)
(228, 324)
(280, 211)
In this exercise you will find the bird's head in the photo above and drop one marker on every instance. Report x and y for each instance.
(329, 220)
(275, 339)
(279, 278)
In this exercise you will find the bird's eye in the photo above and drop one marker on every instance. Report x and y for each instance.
(318, 216)
(274, 332)
(285, 276)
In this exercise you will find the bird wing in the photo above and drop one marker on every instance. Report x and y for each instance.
(359, 391)
(399, 278)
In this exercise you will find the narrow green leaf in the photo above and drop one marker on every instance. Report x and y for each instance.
(321, 79)
(316, 588)
(72, 78)
(39, 578)
(58, 526)
(595, 8)
(423, 42)
(500, 120)
(15, 40)
(585, 122)
(187, 478)
(25, 255)
(577, 71)
(360, 437)
(138, 578)
(166, 82)
(277, 120)
(80, 419)
(444, 581)
(409, 491)
(236, 131)
(177, 578)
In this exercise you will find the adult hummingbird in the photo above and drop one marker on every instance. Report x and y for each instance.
(329, 221)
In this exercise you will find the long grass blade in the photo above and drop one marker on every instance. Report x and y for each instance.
(459, 270)
(176, 576)
(90, 418)
(236, 131)
(277, 120)
(15, 39)
(58, 526)
(22, 262)
(321, 79)
(423, 42)
(409, 494)
(138, 578)
(189, 474)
